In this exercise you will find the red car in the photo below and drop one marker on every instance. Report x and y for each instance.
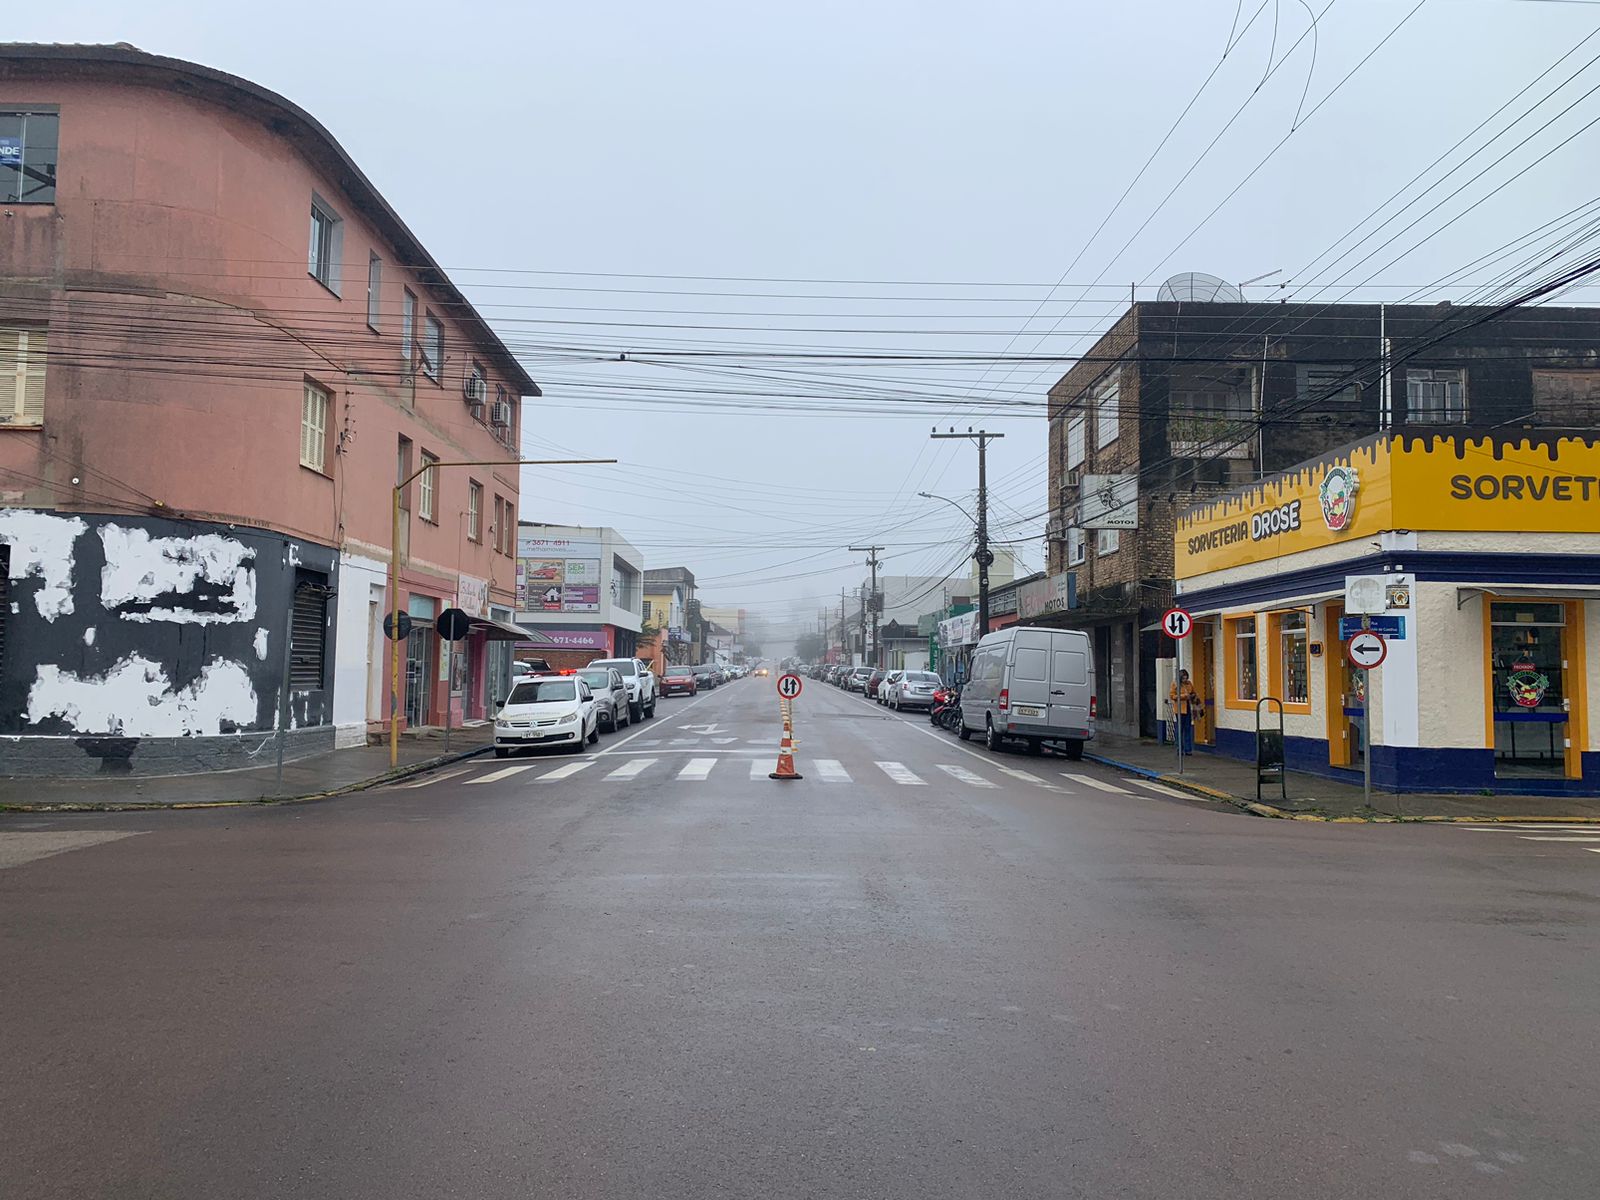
(679, 681)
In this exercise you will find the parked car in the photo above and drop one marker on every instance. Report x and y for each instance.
(641, 684)
(885, 685)
(856, 680)
(679, 681)
(707, 675)
(530, 666)
(1036, 685)
(610, 696)
(547, 710)
(914, 689)
(760, 673)
(870, 688)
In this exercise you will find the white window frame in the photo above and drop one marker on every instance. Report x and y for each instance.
(1077, 441)
(24, 116)
(314, 405)
(1419, 377)
(325, 251)
(1107, 541)
(432, 346)
(426, 495)
(474, 511)
(1107, 400)
(374, 290)
(22, 376)
(1077, 548)
(408, 324)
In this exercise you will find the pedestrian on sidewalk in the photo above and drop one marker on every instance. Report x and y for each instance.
(1184, 698)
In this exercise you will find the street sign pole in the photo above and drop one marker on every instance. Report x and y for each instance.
(1177, 705)
(1366, 729)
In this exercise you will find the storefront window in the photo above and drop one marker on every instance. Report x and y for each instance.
(1246, 685)
(1529, 682)
(1293, 642)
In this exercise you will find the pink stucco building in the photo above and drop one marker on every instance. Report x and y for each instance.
(219, 349)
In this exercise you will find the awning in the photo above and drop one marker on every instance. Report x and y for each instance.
(505, 631)
(1531, 591)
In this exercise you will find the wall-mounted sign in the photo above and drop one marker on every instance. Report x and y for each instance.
(574, 639)
(1109, 502)
(1392, 628)
(1057, 593)
(1337, 494)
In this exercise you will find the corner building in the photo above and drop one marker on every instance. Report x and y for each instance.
(1484, 555)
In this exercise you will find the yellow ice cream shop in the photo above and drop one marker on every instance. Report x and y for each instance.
(1477, 558)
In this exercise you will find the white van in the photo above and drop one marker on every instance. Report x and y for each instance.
(1034, 685)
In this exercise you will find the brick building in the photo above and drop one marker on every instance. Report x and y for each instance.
(1193, 398)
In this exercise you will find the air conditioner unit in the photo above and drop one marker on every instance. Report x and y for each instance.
(500, 413)
(474, 388)
(1072, 477)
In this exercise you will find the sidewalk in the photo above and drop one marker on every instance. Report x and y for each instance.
(305, 779)
(1218, 777)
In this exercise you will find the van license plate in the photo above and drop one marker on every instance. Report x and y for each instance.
(1028, 710)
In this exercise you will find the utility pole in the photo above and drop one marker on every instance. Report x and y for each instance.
(844, 631)
(983, 556)
(874, 605)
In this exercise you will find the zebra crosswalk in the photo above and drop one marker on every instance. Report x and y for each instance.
(664, 765)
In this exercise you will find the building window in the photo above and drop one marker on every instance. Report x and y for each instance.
(374, 290)
(1077, 548)
(475, 511)
(432, 347)
(1243, 664)
(22, 361)
(313, 427)
(308, 632)
(1076, 451)
(1436, 397)
(1328, 387)
(408, 324)
(28, 157)
(1294, 660)
(425, 487)
(647, 612)
(327, 242)
(1106, 395)
(1211, 418)
(1107, 541)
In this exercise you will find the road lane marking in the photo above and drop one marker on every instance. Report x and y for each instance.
(900, 773)
(1528, 837)
(629, 769)
(503, 773)
(1016, 774)
(426, 779)
(831, 770)
(1163, 789)
(656, 723)
(1096, 783)
(970, 778)
(697, 768)
(572, 768)
(758, 769)
(19, 848)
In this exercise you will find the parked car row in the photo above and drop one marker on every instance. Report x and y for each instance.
(572, 708)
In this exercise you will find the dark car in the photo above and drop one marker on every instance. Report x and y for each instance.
(679, 681)
(870, 688)
(707, 675)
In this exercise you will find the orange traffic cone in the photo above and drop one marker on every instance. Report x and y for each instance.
(786, 758)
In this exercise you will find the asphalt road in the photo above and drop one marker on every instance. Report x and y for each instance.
(910, 975)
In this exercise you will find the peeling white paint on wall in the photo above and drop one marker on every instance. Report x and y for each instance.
(136, 699)
(88, 636)
(261, 644)
(140, 569)
(42, 544)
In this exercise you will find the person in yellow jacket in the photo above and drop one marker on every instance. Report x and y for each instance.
(1184, 701)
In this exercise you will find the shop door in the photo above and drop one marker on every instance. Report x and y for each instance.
(419, 676)
(1529, 677)
(1346, 697)
(1201, 674)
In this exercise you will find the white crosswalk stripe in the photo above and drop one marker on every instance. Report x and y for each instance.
(568, 770)
(697, 768)
(630, 769)
(1091, 781)
(967, 777)
(503, 773)
(900, 773)
(1163, 789)
(759, 769)
(425, 780)
(1027, 778)
(831, 770)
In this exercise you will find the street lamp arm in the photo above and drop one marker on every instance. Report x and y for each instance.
(952, 503)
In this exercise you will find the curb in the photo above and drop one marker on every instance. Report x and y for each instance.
(1258, 809)
(360, 785)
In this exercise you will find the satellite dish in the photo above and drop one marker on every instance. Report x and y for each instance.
(1196, 288)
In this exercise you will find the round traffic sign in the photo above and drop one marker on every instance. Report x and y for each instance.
(396, 630)
(1366, 649)
(789, 686)
(1176, 623)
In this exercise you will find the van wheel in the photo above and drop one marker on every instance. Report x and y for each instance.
(1073, 748)
(961, 728)
(991, 739)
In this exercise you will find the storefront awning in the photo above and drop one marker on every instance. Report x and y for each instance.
(1286, 604)
(505, 631)
(1531, 591)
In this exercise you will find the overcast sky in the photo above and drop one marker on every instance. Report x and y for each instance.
(603, 179)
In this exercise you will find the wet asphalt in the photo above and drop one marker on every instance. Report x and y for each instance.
(987, 979)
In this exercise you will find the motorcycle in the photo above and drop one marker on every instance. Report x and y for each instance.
(946, 710)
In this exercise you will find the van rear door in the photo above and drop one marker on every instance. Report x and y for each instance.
(1029, 682)
(1070, 687)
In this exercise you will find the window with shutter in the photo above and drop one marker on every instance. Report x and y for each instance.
(313, 427)
(23, 351)
(308, 632)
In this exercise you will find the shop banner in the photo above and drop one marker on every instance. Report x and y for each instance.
(472, 595)
(959, 631)
(1054, 594)
(575, 639)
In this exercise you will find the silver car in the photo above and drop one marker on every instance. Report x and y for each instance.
(610, 696)
(914, 689)
(1032, 685)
